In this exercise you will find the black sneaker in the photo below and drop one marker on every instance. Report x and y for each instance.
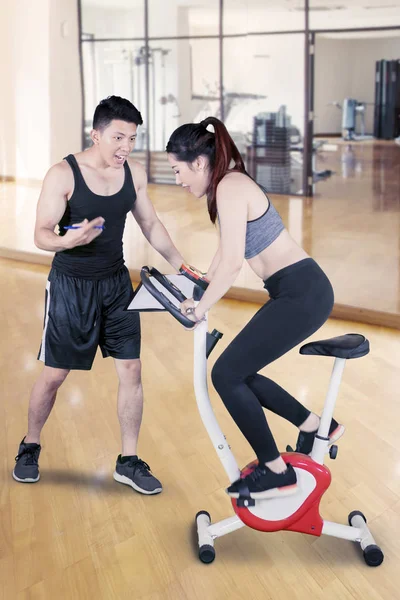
(136, 473)
(305, 439)
(263, 483)
(26, 469)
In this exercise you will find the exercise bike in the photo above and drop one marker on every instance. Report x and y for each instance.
(298, 512)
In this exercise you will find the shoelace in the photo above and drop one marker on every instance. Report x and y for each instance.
(141, 466)
(257, 473)
(32, 456)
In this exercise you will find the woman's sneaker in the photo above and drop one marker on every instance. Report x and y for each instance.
(134, 472)
(26, 469)
(263, 483)
(305, 440)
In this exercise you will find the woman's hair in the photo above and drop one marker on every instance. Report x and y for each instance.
(192, 140)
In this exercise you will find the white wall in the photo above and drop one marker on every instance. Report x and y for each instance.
(346, 68)
(64, 80)
(24, 122)
(40, 117)
(7, 105)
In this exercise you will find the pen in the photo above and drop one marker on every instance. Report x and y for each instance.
(79, 226)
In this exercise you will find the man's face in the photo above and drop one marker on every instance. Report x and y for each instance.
(115, 142)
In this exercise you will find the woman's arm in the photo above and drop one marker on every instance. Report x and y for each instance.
(214, 264)
(232, 210)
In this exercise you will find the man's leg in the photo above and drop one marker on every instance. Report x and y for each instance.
(69, 341)
(130, 403)
(120, 338)
(41, 402)
(130, 469)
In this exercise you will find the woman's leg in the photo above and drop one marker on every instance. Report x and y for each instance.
(276, 399)
(279, 401)
(272, 332)
(278, 326)
(301, 301)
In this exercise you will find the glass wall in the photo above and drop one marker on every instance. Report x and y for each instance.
(183, 77)
(113, 20)
(115, 67)
(114, 59)
(264, 106)
(166, 57)
(177, 18)
(259, 16)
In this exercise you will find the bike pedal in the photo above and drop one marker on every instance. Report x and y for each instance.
(245, 502)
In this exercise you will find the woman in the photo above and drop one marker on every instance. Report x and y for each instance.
(301, 299)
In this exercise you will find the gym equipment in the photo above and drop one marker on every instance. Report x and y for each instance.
(387, 99)
(350, 109)
(275, 157)
(269, 159)
(298, 512)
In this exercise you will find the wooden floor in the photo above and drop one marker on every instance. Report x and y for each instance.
(78, 535)
(351, 227)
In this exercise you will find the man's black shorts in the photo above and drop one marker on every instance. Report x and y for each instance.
(82, 314)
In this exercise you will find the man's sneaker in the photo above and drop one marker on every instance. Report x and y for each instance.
(305, 439)
(133, 471)
(26, 469)
(263, 483)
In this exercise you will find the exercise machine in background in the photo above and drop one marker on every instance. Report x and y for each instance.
(275, 155)
(352, 109)
(387, 99)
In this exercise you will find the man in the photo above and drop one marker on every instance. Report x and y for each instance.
(89, 195)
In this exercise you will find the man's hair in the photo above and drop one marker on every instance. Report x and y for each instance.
(118, 108)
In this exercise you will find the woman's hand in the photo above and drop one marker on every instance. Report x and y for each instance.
(189, 303)
(188, 309)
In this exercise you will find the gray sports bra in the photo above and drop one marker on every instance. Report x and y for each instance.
(261, 232)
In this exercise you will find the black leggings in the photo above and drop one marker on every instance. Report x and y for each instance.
(301, 301)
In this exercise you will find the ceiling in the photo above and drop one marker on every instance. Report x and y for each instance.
(282, 5)
(324, 14)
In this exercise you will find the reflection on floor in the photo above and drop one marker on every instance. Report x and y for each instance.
(357, 211)
(351, 227)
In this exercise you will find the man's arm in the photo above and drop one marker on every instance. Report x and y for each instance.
(50, 209)
(148, 221)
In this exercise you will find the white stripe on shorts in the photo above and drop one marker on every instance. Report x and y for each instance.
(42, 355)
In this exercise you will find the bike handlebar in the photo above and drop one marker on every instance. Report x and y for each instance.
(146, 273)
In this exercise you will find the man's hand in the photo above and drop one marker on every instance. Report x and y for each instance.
(87, 231)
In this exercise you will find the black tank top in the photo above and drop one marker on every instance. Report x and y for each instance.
(104, 255)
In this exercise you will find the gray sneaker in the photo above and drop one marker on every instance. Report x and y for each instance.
(135, 472)
(26, 469)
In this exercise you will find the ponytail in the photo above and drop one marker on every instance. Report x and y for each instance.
(225, 152)
(192, 140)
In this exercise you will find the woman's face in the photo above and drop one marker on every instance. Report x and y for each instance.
(195, 176)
